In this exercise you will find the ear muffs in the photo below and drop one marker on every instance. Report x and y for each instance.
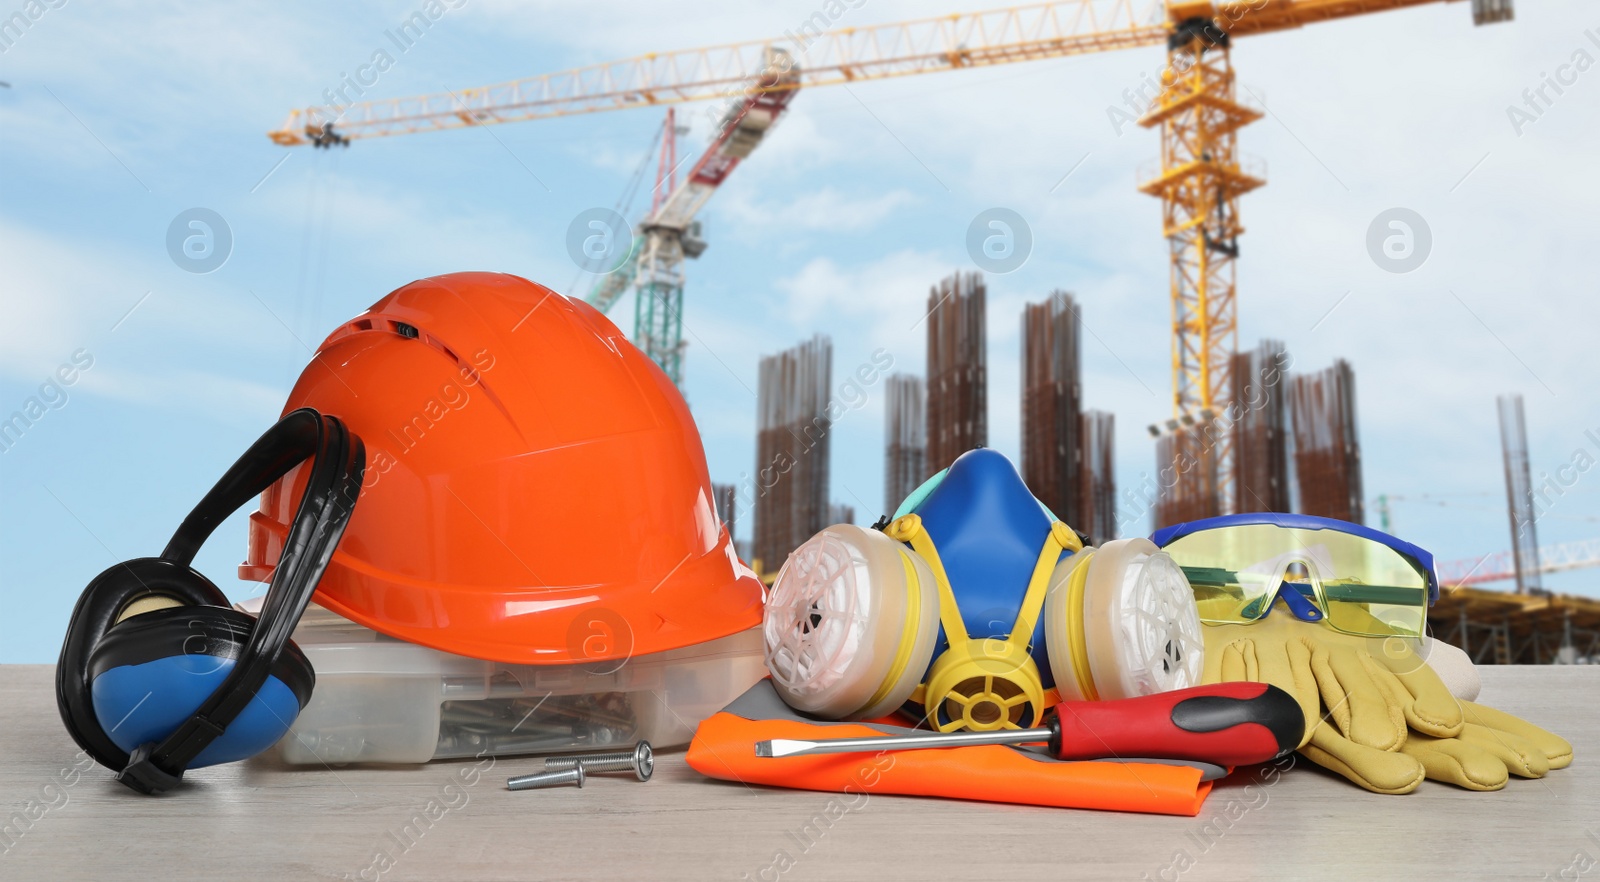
(1121, 622)
(157, 675)
(850, 624)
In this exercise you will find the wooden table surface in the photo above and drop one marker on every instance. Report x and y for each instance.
(264, 820)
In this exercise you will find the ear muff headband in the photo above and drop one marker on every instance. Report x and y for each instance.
(324, 511)
(338, 461)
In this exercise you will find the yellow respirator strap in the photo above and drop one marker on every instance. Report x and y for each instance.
(908, 528)
(1060, 539)
(986, 662)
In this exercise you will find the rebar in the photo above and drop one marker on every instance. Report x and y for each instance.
(1187, 472)
(1519, 494)
(726, 497)
(1260, 431)
(958, 379)
(792, 450)
(1098, 488)
(1052, 455)
(906, 446)
(1327, 454)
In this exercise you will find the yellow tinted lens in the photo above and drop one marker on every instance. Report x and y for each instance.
(1225, 590)
(1373, 590)
(1365, 587)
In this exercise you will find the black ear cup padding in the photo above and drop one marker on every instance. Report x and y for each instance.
(211, 631)
(94, 615)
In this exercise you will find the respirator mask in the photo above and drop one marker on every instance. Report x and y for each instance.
(975, 608)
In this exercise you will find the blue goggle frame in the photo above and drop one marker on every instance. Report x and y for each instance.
(1423, 560)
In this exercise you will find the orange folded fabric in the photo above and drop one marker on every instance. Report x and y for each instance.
(724, 748)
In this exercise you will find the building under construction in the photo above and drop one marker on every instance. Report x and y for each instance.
(905, 440)
(1066, 453)
(1525, 626)
(1232, 457)
(1261, 431)
(958, 379)
(727, 501)
(1327, 454)
(1187, 473)
(1528, 625)
(1519, 494)
(1098, 506)
(791, 478)
(1502, 627)
(1291, 438)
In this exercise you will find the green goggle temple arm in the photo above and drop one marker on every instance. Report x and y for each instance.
(1335, 592)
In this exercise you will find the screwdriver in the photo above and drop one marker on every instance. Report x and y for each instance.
(1226, 724)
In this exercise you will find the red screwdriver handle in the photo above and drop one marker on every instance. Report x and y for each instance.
(1227, 724)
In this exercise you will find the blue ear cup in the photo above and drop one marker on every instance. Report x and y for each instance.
(152, 671)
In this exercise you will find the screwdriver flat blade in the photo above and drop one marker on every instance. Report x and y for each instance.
(781, 747)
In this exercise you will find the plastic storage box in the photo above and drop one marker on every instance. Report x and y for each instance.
(381, 700)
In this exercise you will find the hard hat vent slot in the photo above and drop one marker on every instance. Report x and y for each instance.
(412, 332)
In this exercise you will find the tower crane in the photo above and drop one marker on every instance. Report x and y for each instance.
(670, 233)
(1199, 181)
(1501, 566)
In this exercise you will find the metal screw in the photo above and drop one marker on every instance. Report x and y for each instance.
(574, 775)
(640, 760)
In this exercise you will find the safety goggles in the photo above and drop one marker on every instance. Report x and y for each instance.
(1360, 580)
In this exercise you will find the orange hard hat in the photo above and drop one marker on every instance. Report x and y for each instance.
(535, 493)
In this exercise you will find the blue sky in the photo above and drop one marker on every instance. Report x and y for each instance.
(120, 116)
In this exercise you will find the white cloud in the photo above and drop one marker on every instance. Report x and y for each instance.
(609, 31)
(880, 299)
(825, 209)
(209, 391)
(68, 294)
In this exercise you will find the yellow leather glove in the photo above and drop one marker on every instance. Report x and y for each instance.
(1390, 722)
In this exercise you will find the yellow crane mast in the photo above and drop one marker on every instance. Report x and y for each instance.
(1200, 181)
